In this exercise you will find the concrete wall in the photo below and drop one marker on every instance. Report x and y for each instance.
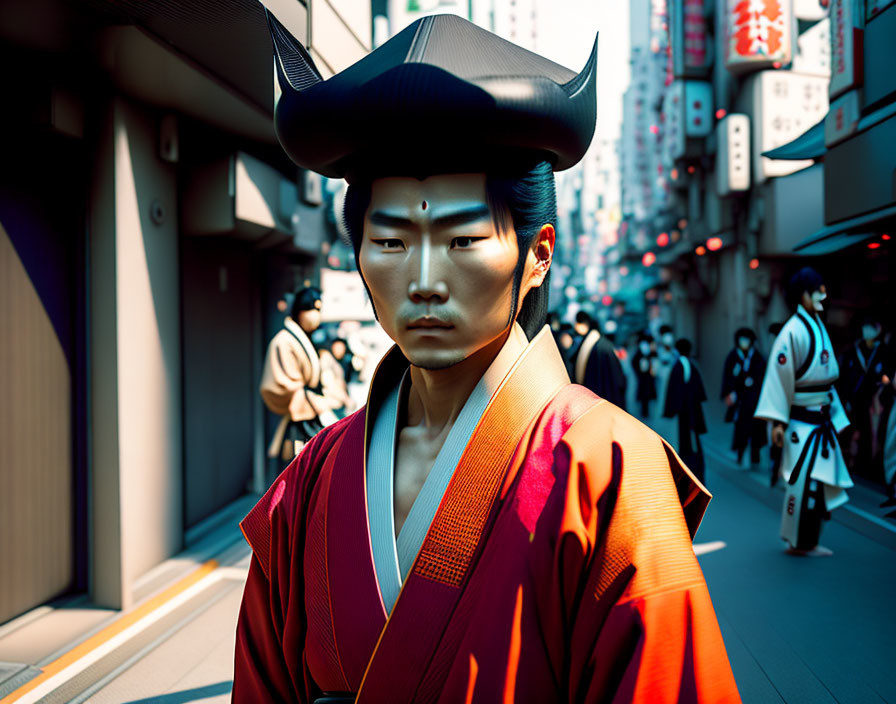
(135, 356)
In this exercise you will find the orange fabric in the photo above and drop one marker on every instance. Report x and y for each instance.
(457, 527)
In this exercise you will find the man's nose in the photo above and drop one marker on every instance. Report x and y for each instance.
(427, 284)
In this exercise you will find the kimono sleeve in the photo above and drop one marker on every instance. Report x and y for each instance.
(778, 384)
(270, 634)
(644, 630)
(838, 413)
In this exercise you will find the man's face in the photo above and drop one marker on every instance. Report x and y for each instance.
(309, 320)
(439, 270)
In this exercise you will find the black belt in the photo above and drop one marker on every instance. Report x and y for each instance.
(822, 438)
(808, 416)
(813, 387)
(339, 698)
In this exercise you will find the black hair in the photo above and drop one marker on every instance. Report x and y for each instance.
(304, 299)
(744, 332)
(806, 280)
(775, 328)
(665, 328)
(583, 317)
(528, 197)
(683, 346)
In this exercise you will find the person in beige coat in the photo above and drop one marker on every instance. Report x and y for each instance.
(291, 384)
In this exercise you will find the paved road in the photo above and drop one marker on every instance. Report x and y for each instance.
(799, 629)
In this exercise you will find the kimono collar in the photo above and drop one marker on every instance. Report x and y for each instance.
(393, 558)
(302, 338)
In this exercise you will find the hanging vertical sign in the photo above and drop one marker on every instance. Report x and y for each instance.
(847, 39)
(690, 39)
(759, 35)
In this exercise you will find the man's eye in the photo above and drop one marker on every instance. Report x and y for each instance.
(463, 242)
(390, 243)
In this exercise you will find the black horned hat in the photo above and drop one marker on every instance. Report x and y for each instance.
(441, 96)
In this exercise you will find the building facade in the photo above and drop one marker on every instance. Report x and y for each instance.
(149, 224)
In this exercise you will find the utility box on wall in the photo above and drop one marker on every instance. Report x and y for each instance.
(241, 197)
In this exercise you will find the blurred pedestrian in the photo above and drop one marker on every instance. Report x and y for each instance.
(741, 381)
(333, 376)
(597, 367)
(291, 381)
(568, 345)
(798, 397)
(644, 367)
(862, 369)
(889, 453)
(684, 400)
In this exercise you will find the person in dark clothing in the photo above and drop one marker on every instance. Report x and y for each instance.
(685, 395)
(862, 368)
(644, 367)
(741, 381)
(596, 366)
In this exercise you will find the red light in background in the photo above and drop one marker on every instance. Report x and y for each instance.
(682, 224)
(885, 238)
(623, 271)
(754, 263)
(873, 245)
(777, 64)
(607, 300)
(701, 250)
(654, 129)
(714, 243)
(691, 169)
(667, 296)
(662, 239)
(648, 259)
(673, 174)
(720, 113)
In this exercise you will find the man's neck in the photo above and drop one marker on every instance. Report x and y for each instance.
(810, 311)
(437, 397)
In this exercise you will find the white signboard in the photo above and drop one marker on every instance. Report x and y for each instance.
(344, 296)
(813, 50)
(843, 118)
(783, 105)
(733, 155)
(847, 37)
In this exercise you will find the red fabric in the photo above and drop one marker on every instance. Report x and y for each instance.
(584, 587)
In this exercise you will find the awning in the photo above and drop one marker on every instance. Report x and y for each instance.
(845, 234)
(809, 145)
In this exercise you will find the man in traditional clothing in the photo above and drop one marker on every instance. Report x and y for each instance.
(596, 365)
(291, 381)
(799, 398)
(685, 396)
(741, 381)
(482, 530)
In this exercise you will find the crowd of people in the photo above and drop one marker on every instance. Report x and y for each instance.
(799, 399)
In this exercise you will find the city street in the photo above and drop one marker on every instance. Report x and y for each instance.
(813, 630)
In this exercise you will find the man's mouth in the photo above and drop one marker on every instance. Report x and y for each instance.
(430, 323)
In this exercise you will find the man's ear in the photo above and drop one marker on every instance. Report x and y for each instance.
(543, 250)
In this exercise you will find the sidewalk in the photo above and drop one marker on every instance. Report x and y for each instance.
(174, 646)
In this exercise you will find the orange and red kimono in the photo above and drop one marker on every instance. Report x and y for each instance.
(558, 567)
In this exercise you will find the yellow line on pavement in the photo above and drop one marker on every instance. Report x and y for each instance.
(110, 631)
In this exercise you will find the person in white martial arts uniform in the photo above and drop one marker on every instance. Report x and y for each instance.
(799, 398)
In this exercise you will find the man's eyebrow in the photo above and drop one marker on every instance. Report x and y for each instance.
(451, 219)
(380, 217)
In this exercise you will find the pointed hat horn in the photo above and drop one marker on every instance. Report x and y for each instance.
(295, 67)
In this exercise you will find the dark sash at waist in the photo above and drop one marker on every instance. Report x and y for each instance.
(807, 416)
(811, 388)
(340, 698)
